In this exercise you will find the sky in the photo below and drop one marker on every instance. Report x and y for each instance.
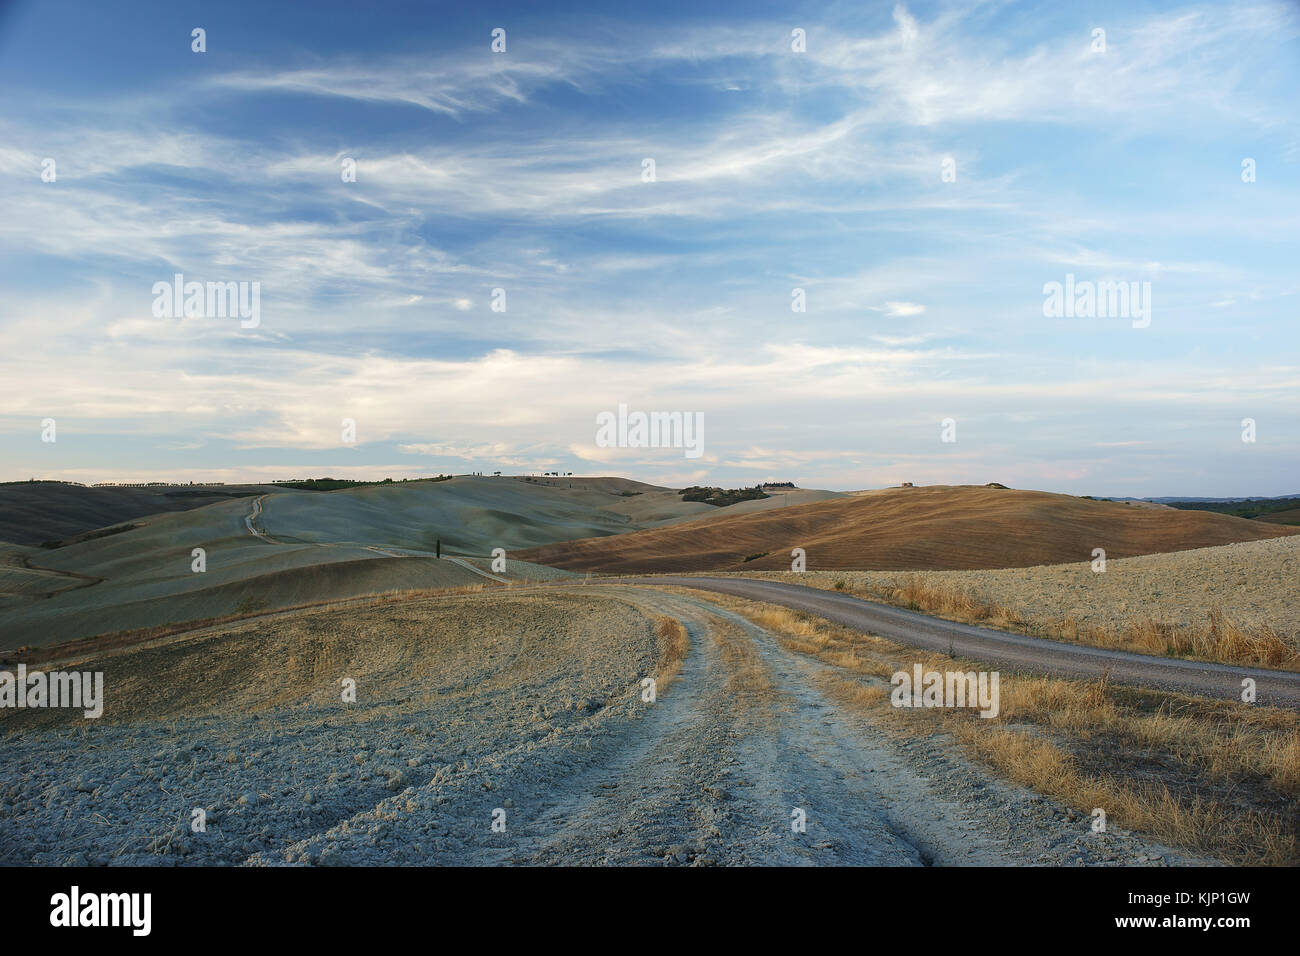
(922, 172)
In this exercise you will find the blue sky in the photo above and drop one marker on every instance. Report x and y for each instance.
(775, 170)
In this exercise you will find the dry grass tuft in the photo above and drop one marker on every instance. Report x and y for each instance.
(674, 644)
(749, 680)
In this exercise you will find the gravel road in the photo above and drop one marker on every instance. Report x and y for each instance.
(1030, 654)
(1252, 582)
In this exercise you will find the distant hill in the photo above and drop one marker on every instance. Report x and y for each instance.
(473, 515)
(318, 544)
(1169, 501)
(1262, 508)
(35, 511)
(936, 527)
(1290, 516)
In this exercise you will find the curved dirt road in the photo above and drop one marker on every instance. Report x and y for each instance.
(254, 514)
(743, 743)
(527, 707)
(1003, 649)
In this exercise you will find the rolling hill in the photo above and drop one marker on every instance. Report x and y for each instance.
(1291, 516)
(36, 511)
(320, 545)
(473, 515)
(938, 527)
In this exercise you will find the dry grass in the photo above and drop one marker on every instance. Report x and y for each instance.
(754, 699)
(1212, 776)
(674, 644)
(1202, 821)
(119, 640)
(749, 681)
(814, 637)
(1218, 639)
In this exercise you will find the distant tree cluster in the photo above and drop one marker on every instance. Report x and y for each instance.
(334, 484)
(721, 497)
(1247, 508)
(44, 481)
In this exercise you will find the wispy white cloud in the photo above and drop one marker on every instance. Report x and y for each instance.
(818, 170)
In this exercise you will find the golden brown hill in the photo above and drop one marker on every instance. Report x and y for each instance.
(939, 527)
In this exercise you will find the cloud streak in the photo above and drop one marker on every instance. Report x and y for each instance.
(775, 171)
